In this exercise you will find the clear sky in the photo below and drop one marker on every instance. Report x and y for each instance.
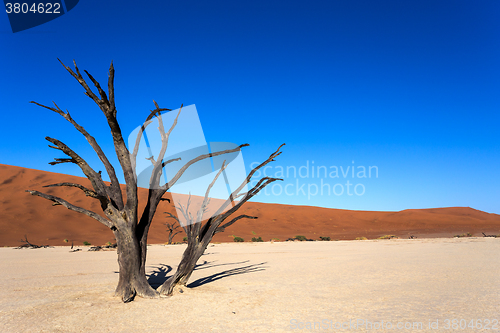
(409, 88)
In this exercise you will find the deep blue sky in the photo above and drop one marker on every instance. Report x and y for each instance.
(412, 87)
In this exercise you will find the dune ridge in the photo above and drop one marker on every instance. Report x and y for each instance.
(22, 214)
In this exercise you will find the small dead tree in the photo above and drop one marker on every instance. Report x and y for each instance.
(199, 235)
(121, 211)
(172, 227)
(28, 245)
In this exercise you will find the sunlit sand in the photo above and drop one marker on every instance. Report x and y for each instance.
(258, 287)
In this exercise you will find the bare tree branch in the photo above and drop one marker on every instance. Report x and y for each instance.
(94, 177)
(170, 161)
(199, 236)
(255, 189)
(155, 195)
(115, 194)
(28, 245)
(171, 183)
(72, 207)
(158, 165)
(104, 98)
(107, 106)
(223, 227)
(206, 199)
(171, 227)
(88, 192)
(133, 156)
(185, 213)
(81, 80)
(62, 160)
(218, 217)
(173, 216)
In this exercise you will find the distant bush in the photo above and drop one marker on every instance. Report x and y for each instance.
(301, 238)
(185, 239)
(238, 239)
(86, 243)
(275, 239)
(388, 237)
(257, 239)
(361, 238)
(66, 240)
(464, 235)
(325, 238)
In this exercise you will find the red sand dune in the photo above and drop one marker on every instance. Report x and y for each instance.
(22, 214)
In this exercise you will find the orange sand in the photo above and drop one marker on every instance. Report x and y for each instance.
(21, 213)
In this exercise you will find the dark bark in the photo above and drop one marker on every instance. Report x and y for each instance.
(186, 267)
(172, 227)
(132, 281)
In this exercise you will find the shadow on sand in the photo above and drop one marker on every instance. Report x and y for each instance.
(160, 273)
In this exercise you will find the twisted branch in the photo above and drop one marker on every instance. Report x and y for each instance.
(107, 106)
(72, 207)
(115, 194)
(223, 227)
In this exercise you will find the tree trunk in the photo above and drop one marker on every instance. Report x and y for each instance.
(142, 228)
(186, 267)
(132, 281)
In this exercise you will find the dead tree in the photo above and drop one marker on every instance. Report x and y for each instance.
(172, 228)
(121, 211)
(199, 235)
(28, 245)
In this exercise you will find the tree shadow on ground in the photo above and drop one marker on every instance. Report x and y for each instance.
(209, 264)
(229, 272)
(159, 275)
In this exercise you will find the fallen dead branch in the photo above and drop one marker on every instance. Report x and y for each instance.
(28, 245)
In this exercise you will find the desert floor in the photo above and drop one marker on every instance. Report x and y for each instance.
(262, 287)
